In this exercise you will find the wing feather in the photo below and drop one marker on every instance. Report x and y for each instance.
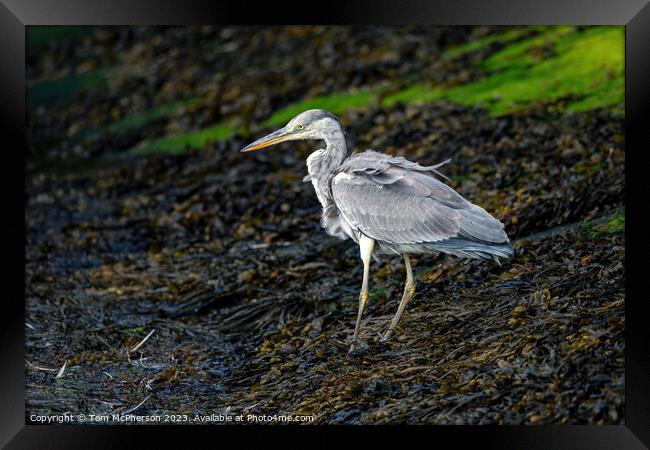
(396, 201)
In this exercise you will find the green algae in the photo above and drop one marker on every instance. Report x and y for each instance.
(583, 67)
(613, 226)
(484, 42)
(417, 93)
(336, 104)
(586, 66)
(144, 117)
(179, 143)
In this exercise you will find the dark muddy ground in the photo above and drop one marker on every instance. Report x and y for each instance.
(251, 304)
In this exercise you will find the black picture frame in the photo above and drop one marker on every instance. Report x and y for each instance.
(634, 14)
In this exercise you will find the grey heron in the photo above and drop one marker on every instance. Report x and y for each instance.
(388, 205)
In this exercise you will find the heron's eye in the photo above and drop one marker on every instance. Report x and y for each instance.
(300, 127)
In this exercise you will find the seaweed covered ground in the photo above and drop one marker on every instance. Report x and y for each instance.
(166, 273)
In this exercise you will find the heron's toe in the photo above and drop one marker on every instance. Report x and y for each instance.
(386, 336)
(357, 346)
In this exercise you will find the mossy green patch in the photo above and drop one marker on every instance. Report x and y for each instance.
(417, 93)
(615, 225)
(142, 118)
(336, 104)
(136, 330)
(182, 142)
(525, 52)
(587, 67)
(137, 120)
(481, 43)
(55, 91)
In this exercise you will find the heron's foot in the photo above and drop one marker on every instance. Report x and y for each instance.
(357, 345)
(386, 336)
(389, 333)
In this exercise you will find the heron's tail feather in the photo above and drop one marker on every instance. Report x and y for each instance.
(466, 248)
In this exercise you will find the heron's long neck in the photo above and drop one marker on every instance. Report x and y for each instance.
(322, 163)
(335, 151)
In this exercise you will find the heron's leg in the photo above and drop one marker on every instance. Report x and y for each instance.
(409, 290)
(366, 245)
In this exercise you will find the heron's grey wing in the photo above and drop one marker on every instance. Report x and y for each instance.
(405, 205)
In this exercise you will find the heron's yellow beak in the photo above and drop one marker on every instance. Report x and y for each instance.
(274, 138)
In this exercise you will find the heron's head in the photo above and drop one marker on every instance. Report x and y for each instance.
(311, 124)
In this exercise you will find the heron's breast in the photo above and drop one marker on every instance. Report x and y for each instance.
(337, 226)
